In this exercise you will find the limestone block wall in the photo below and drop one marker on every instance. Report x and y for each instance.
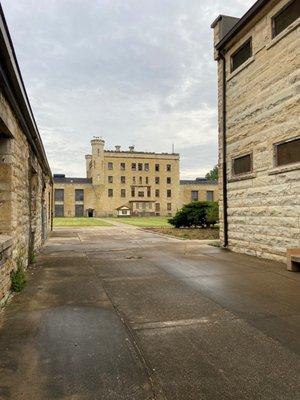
(25, 195)
(263, 108)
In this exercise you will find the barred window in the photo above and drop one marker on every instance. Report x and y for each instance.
(241, 55)
(242, 165)
(285, 17)
(287, 152)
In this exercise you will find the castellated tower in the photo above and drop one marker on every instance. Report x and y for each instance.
(96, 161)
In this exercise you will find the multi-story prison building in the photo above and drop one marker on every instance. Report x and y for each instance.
(127, 183)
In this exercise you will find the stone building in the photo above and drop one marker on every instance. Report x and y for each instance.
(199, 189)
(25, 176)
(124, 183)
(258, 59)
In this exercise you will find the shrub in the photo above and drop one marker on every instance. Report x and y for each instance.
(196, 214)
(18, 280)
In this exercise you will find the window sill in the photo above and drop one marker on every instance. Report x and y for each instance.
(284, 33)
(240, 68)
(5, 242)
(285, 168)
(242, 177)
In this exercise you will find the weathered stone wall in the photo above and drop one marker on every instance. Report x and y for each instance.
(263, 108)
(25, 195)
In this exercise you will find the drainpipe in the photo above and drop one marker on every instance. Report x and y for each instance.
(224, 153)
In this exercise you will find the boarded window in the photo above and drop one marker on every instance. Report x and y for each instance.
(242, 165)
(286, 17)
(287, 152)
(110, 192)
(241, 55)
(123, 192)
(210, 195)
(79, 194)
(194, 195)
(59, 210)
(78, 210)
(59, 194)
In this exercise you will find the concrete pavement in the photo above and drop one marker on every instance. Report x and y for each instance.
(116, 313)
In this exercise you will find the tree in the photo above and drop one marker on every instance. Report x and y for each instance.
(196, 214)
(213, 174)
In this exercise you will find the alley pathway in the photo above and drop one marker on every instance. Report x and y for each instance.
(115, 313)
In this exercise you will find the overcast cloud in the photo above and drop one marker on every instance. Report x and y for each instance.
(132, 71)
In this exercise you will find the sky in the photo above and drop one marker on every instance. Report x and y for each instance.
(134, 72)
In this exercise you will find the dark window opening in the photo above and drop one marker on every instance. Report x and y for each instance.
(79, 194)
(140, 166)
(59, 194)
(242, 165)
(286, 17)
(79, 210)
(241, 55)
(156, 192)
(122, 166)
(123, 179)
(110, 165)
(156, 167)
(59, 210)
(169, 167)
(195, 195)
(169, 193)
(123, 192)
(287, 152)
(168, 179)
(157, 180)
(133, 166)
(110, 192)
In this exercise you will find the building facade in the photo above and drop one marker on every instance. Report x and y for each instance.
(25, 176)
(258, 59)
(125, 183)
(199, 189)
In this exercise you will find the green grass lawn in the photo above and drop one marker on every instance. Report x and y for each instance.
(145, 222)
(80, 222)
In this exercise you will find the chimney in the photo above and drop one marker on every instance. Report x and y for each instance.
(131, 148)
(118, 148)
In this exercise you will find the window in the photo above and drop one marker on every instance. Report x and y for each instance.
(210, 195)
(287, 152)
(156, 192)
(140, 180)
(146, 167)
(144, 206)
(148, 192)
(137, 205)
(59, 210)
(157, 207)
(110, 165)
(157, 180)
(79, 195)
(169, 206)
(123, 192)
(124, 212)
(242, 165)
(59, 195)
(133, 166)
(110, 179)
(285, 17)
(79, 210)
(156, 167)
(140, 166)
(122, 166)
(168, 179)
(110, 192)
(141, 194)
(133, 192)
(169, 167)
(147, 180)
(241, 55)
(150, 206)
(194, 195)
(134, 179)
(123, 179)
(169, 193)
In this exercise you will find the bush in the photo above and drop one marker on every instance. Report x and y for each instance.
(18, 280)
(196, 214)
